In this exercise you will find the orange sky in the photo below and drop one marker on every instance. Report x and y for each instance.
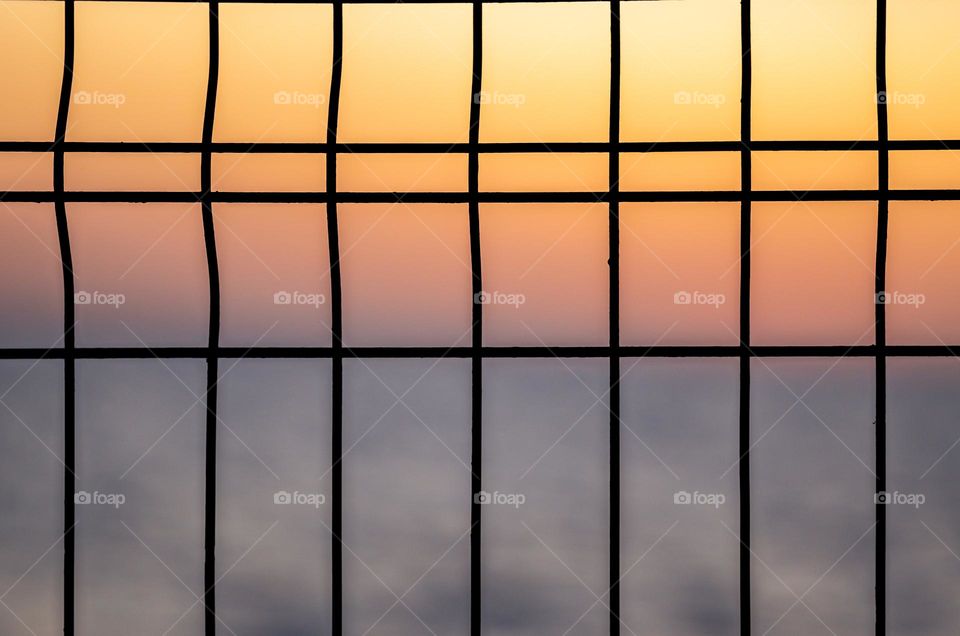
(140, 75)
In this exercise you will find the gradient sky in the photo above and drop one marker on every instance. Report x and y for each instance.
(140, 75)
(405, 72)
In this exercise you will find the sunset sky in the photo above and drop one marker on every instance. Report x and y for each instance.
(140, 272)
(406, 72)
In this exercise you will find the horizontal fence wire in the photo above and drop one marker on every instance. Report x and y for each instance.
(348, 2)
(483, 147)
(716, 196)
(599, 351)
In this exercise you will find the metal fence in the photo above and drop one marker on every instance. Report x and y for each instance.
(477, 352)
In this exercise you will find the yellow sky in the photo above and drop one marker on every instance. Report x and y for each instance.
(140, 75)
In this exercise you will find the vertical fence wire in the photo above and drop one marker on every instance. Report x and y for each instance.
(476, 334)
(746, 197)
(69, 321)
(336, 310)
(880, 389)
(613, 194)
(213, 272)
